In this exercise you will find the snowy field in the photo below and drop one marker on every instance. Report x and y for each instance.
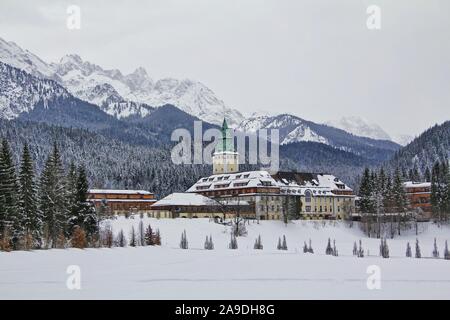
(168, 272)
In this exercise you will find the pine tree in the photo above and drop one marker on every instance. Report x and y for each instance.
(9, 202)
(427, 175)
(121, 241)
(418, 254)
(366, 193)
(335, 251)
(329, 249)
(157, 240)
(184, 241)
(279, 244)
(133, 239)
(446, 252)
(305, 248)
(211, 243)
(435, 250)
(28, 200)
(355, 249)
(52, 197)
(258, 243)
(284, 245)
(360, 250)
(233, 242)
(86, 216)
(384, 249)
(141, 232)
(408, 250)
(310, 249)
(149, 236)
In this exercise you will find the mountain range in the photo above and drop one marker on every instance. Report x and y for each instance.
(135, 111)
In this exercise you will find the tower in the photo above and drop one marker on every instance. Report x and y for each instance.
(225, 159)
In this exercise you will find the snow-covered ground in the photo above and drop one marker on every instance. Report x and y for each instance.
(168, 272)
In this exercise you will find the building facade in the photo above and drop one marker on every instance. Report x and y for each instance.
(419, 196)
(121, 201)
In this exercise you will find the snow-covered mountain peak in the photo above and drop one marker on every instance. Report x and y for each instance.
(15, 56)
(360, 127)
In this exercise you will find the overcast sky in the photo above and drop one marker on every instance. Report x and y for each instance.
(316, 59)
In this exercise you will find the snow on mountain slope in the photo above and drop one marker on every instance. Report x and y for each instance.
(360, 127)
(12, 54)
(122, 95)
(81, 77)
(291, 128)
(402, 139)
(20, 92)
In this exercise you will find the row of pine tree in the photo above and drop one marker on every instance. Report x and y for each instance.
(42, 211)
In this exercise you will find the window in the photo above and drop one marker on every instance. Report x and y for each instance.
(308, 208)
(308, 196)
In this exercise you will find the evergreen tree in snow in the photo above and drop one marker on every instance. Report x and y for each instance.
(157, 240)
(279, 244)
(209, 245)
(233, 242)
(121, 241)
(310, 249)
(184, 241)
(133, 238)
(52, 197)
(384, 249)
(366, 189)
(335, 251)
(9, 202)
(360, 250)
(258, 243)
(284, 244)
(305, 248)
(435, 250)
(408, 250)
(141, 233)
(84, 215)
(446, 252)
(28, 200)
(355, 248)
(418, 254)
(329, 249)
(149, 236)
(427, 175)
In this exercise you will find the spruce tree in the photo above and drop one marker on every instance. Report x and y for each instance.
(52, 197)
(279, 244)
(360, 250)
(335, 251)
(28, 199)
(418, 254)
(446, 252)
(121, 241)
(149, 236)
(141, 233)
(184, 241)
(408, 250)
(310, 249)
(9, 202)
(435, 250)
(329, 249)
(258, 243)
(305, 248)
(355, 249)
(284, 244)
(233, 242)
(133, 238)
(366, 193)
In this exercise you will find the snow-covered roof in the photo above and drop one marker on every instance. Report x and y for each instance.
(185, 199)
(234, 180)
(288, 182)
(413, 184)
(117, 191)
